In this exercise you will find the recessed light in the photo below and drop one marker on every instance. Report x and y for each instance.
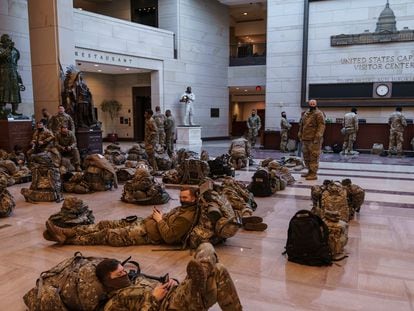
(237, 88)
(127, 69)
(80, 9)
(245, 90)
(244, 13)
(99, 70)
(96, 65)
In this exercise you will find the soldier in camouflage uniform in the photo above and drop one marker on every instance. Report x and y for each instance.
(239, 153)
(338, 232)
(169, 228)
(349, 130)
(7, 203)
(285, 126)
(151, 138)
(65, 142)
(207, 282)
(169, 126)
(159, 119)
(56, 121)
(253, 124)
(397, 124)
(42, 140)
(311, 132)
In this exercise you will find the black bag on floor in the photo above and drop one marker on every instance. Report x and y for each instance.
(220, 166)
(307, 240)
(261, 183)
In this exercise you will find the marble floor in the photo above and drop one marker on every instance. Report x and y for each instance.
(377, 275)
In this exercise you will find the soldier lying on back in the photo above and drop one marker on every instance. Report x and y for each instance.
(207, 282)
(158, 228)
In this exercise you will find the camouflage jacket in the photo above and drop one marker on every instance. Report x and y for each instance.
(174, 225)
(58, 120)
(151, 132)
(159, 119)
(397, 121)
(42, 139)
(312, 126)
(285, 125)
(169, 125)
(135, 297)
(65, 140)
(253, 122)
(351, 121)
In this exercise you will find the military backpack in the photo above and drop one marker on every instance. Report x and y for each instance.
(307, 240)
(263, 183)
(220, 166)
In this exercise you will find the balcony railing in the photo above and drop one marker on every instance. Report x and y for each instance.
(248, 54)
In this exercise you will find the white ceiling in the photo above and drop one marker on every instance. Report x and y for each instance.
(248, 12)
(108, 69)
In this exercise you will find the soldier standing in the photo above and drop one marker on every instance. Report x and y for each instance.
(151, 138)
(56, 121)
(159, 119)
(253, 124)
(65, 142)
(169, 126)
(285, 126)
(397, 124)
(349, 130)
(311, 131)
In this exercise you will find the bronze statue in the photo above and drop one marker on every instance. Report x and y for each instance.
(10, 81)
(77, 99)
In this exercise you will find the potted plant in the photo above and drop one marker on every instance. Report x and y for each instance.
(112, 107)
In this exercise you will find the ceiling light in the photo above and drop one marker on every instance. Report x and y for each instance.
(80, 9)
(99, 70)
(244, 13)
(237, 88)
(127, 69)
(245, 90)
(96, 65)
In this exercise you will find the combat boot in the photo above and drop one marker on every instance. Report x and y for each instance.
(59, 234)
(251, 220)
(197, 276)
(311, 176)
(304, 174)
(261, 226)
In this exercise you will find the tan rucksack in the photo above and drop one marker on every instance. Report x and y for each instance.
(71, 285)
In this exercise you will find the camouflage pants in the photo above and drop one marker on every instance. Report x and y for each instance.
(161, 136)
(220, 289)
(396, 141)
(253, 136)
(169, 142)
(283, 140)
(111, 232)
(349, 140)
(311, 153)
(74, 155)
(150, 150)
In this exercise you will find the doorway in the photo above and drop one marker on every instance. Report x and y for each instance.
(141, 102)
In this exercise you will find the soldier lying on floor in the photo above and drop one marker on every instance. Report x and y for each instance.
(158, 228)
(111, 287)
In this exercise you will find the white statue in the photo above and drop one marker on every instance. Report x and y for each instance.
(188, 98)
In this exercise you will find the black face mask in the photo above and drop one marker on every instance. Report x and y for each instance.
(186, 204)
(117, 283)
(40, 129)
(312, 108)
(283, 116)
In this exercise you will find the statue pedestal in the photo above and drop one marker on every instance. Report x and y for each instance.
(89, 141)
(189, 137)
(15, 132)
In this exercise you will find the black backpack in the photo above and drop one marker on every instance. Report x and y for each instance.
(307, 241)
(261, 183)
(220, 166)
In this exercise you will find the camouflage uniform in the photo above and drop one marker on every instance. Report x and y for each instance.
(217, 287)
(42, 141)
(311, 131)
(338, 232)
(239, 153)
(397, 124)
(253, 124)
(63, 141)
(151, 139)
(159, 119)
(170, 230)
(169, 126)
(7, 203)
(284, 131)
(350, 127)
(56, 122)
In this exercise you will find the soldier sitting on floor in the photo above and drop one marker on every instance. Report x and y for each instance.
(207, 282)
(158, 228)
(7, 203)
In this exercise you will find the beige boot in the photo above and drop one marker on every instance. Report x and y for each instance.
(311, 176)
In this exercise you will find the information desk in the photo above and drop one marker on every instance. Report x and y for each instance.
(368, 134)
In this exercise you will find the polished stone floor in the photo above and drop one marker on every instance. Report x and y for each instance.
(377, 275)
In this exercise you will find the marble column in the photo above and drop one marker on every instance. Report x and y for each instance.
(51, 42)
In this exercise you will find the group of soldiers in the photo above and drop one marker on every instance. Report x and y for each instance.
(312, 128)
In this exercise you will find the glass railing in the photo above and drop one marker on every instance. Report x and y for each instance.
(248, 54)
